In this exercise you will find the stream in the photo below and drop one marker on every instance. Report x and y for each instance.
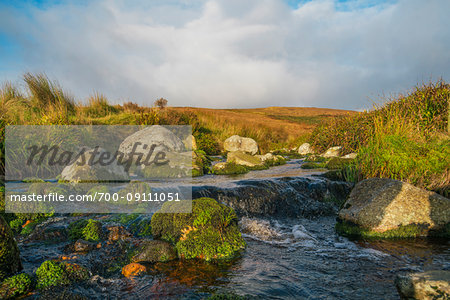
(287, 216)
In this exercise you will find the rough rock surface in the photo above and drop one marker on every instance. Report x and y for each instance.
(155, 251)
(244, 159)
(426, 285)
(304, 149)
(237, 143)
(161, 137)
(82, 170)
(333, 152)
(350, 155)
(381, 204)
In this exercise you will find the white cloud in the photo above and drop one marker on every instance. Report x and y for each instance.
(232, 53)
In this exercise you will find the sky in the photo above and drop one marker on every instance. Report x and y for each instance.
(229, 53)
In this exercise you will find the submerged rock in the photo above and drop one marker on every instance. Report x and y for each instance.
(155, 251)
(244, 144)
(426, 285)
(381, 207)
(209, 232)
(133, 270)
(9, 252)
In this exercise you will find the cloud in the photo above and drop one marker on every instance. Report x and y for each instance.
(230, 53)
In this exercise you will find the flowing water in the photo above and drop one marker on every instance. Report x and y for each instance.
(287, 216)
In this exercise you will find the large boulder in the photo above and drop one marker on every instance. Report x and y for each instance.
(243, 159)
(87, 168)
(426, 285)
(381, 207)
(9, 252)
(332, 152)
(161, 137)
(190, 143)
(209, 232)
(237, 143)
(305, 149)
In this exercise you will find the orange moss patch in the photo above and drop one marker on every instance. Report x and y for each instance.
(28, 222)
(133, 269)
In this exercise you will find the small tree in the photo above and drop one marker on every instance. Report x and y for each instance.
(161, 103)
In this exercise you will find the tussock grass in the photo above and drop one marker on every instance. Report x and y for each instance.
(406, 138)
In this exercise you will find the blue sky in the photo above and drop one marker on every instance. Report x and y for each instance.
(229, 53)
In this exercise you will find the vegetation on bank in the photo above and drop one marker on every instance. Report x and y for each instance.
(405, 139)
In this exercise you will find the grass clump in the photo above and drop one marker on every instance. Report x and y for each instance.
(18, 285)
(405, 139)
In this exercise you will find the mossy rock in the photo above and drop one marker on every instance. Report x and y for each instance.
(98, 189)
(338, 163)
(230, 169)
(209, 232)
(244, 159)
(315, 158)
(18, 285)
(141, 227)
(134, 187)
(43, 188)
(408, 231)
(89, 230)
(201, 163)
(155, 251)
(9, 252)
(51, 274)
(313, 165)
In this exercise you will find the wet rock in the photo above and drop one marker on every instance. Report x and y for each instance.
(117, 233)
(259, 228)
(391, 208)
(133, 270)
(9, 252)
(281, 197)
(426, 285)
(332, 152)
(155, 251)
(305, 149)
(243, 159)
(84, 246)
(51, 274)
(161, 137)
(243, 144)
(82, 170)
(209, 232)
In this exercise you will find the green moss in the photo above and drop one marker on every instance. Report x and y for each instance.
(315, 158)
(16, 286)
(134, 187)
(32, 179)
(209, 232)
(93, 231)
(51, 274)
(141, 227)
(89, 230)
(338, 163)
(9, 252)
(407, 231)
(16, 225)
(241, 156)
(313, 165)
(98, 189)
(231, 169)
(27, 230)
